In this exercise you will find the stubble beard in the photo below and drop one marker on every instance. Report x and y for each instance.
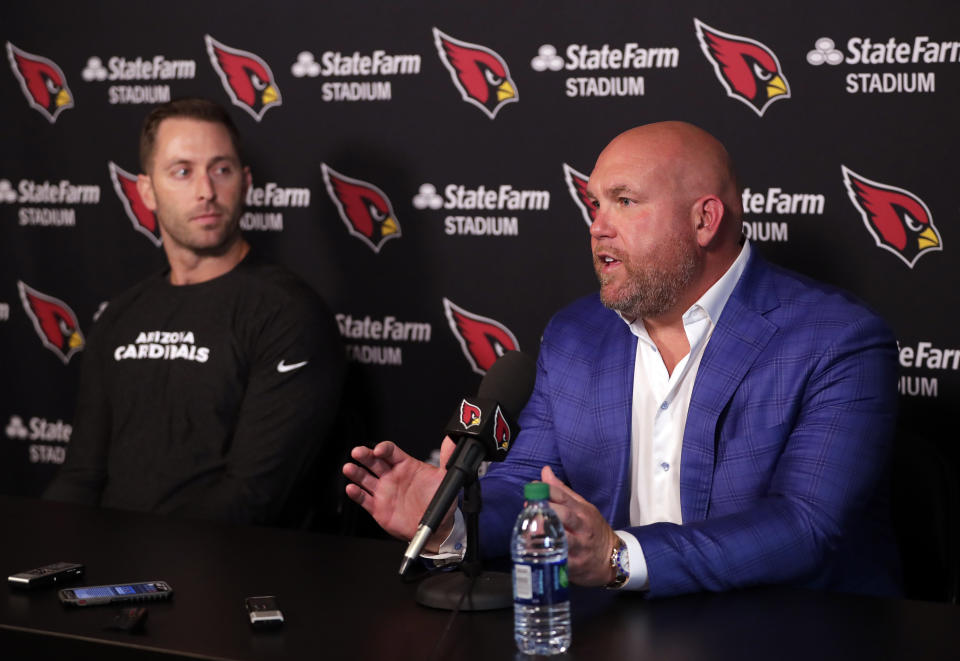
(653, 289)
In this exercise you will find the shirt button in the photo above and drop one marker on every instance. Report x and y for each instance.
(663, 407)
(665, 466)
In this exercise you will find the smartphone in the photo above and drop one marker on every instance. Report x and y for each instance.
(264, 612)
(58, 572)
(95, 595)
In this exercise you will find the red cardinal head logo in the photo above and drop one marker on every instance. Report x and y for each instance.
(469, 415)
(42, 82)
(898, 220)
(481, 75)
(246, 78)
(144, 220)
(364, 208)
(482, 339)
(748, 70)
(577, 185)
(54, 321)
(501, 431)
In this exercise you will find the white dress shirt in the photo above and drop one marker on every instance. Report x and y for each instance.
(659, 416)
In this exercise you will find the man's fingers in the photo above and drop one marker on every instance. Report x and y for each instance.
(362, 477)
(360, 497)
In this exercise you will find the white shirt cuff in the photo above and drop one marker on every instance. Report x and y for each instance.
(638, 579)
(452, 548)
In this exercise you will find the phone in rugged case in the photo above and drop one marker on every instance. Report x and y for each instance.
(95, 595)
(58, 572)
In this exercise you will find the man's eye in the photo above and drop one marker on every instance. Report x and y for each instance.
(625, 201)
(181, 172)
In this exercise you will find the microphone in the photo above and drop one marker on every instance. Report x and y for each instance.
(483, 428)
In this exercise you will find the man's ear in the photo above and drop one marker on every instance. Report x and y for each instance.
(247, 181)
(145, 188)
(709, 214)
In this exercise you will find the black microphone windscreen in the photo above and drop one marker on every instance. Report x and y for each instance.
(509, 381)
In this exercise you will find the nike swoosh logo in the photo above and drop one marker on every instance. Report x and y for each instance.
(283, 367)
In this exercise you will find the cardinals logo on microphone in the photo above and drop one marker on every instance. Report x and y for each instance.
(54, 321)
(577, 186)
(143, 220)
(748, 70)
(482, 339)
(470, 415)
(364, 208)
(899, 221)
(246, 78)
(42, 82)
(481, 75)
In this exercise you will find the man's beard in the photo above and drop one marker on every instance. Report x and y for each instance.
(652, 290)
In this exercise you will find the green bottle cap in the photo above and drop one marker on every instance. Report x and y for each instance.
(536, 491)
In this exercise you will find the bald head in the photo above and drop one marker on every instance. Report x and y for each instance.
(686, 160)
(667, 218)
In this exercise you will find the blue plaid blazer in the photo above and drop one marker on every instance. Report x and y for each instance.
(784, 470)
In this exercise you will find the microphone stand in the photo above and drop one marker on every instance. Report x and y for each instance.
(485, 590)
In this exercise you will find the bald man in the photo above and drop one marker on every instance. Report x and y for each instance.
(707, 422)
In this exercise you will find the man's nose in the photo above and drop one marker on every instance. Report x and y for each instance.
(600, 226)
(205, 189)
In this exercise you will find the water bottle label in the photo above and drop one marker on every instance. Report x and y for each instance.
(540, 584)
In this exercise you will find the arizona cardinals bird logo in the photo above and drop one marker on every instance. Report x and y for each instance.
(42, 82)
(748, 70)
(144, 220)
(898, 220)
(577, 185)
(469, 415)
(482, 339)
(479, 73)
(54, 321)
(364, 208)
(246, 78)
(501, 431)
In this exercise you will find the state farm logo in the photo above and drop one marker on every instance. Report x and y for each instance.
(580, 57)
(376, 64)
(35, 198)
(577, 187)
(42, 81)
(482, 339)
(775, 201)
(923, 361)
(459, 197)
(265, 205)
(143, 219)
(747, 69)
(481, 75)
(899, 221)
(54, 321)
(358, 333)
(866, 52)
(246, 78)
(45, 432)
(365, 210)
(120, 69)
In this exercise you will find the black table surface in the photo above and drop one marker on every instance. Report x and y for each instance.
(342, 598)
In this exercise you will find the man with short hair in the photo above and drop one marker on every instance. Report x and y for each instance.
(206, 390)
(707, 422)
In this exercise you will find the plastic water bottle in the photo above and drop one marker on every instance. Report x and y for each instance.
(541, 602)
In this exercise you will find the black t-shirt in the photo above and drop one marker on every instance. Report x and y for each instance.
(209, 399)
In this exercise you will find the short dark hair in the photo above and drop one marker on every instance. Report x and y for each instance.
(192, 108)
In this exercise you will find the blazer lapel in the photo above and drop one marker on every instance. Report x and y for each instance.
(740, 336)
(613, 381)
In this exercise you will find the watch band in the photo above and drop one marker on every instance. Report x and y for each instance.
(620, 563)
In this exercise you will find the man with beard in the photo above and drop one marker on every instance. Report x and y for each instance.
(207, 389)
(708, 422)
